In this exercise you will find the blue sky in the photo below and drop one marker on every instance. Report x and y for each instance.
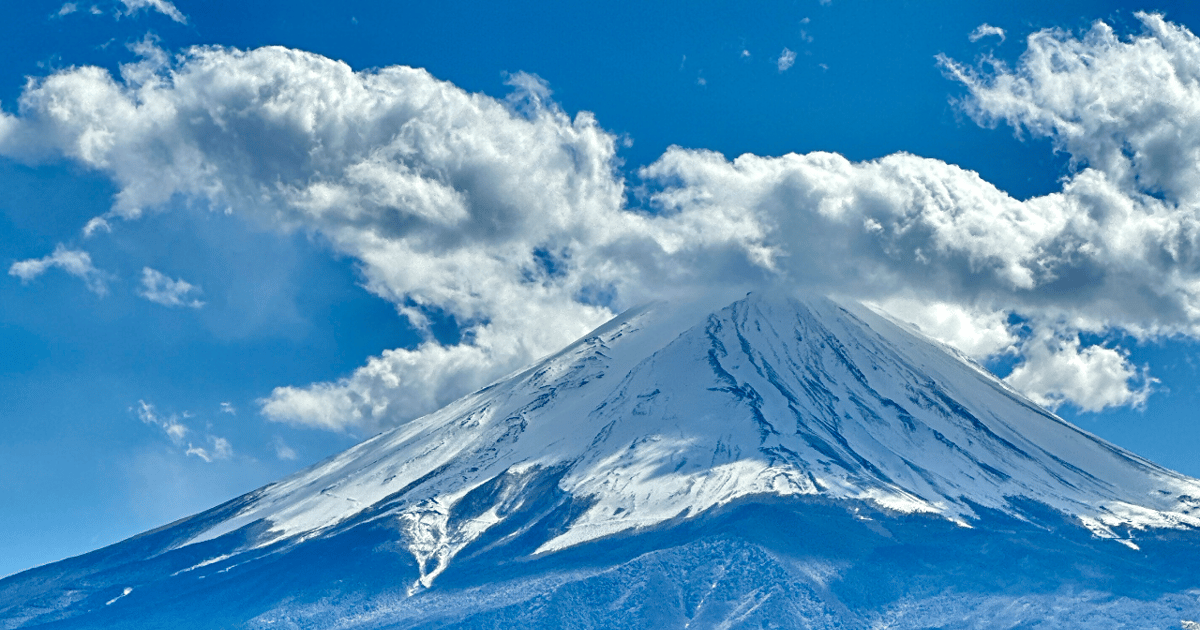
(287, 253)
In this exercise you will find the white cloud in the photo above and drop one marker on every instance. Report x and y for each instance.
(979, 333)
(1128, 112)
(1058, 370)
(95, 225)
(66, 9)
(509, 215)
(160, 289)
(228, 408)
(175, 430)
(786, 60)
(986, 30)
(75, 262)
(282, 450)
(162, 6)
(219, 448)
(443, 196)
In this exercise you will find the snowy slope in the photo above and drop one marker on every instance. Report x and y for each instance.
(671, 410)
(660, 417)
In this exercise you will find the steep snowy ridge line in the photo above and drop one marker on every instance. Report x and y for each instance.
(873, 311)
(666, 411)
(777, 458)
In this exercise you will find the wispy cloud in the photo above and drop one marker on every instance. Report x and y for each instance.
(160, 289)
(75, 262)
(177, 432)
(174, 429)
(786, 60)
(95, 225)
(986, 30)
(164, 7)
(218, 448)
(282, 450)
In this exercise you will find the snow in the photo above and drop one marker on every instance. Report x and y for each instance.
(125, 592)
(674, 409)
(199, 565)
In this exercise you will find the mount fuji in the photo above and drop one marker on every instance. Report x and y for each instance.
(775, 462)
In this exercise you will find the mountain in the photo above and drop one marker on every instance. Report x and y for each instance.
(777, 462)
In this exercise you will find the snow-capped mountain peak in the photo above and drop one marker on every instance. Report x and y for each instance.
(670, 410)
(774, 460)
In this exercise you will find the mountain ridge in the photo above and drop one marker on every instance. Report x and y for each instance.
(667, 418)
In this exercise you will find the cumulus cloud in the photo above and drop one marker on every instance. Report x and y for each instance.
(228, 408)
(66, 9)
(986, 30)
(1126, 111)
(1057, 370)
(160, 289)
(162, 6)
(444, 197)
(786, 60)
(75, 262)
(509, 215)
(978, 333)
